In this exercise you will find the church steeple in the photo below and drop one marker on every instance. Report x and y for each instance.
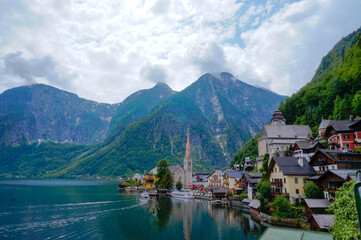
(188, 168)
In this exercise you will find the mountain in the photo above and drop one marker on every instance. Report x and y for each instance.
(139, 104)
(41, 112)
(220, 111)
(335, 90)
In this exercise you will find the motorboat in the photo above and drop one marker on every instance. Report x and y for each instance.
(185, 195)
(144, 197)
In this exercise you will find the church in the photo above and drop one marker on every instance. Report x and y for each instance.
(182, 174)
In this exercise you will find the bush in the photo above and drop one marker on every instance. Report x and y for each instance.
(282, 207)
(125, 184)
(179, 185)
(264, 188)
(242, 196)
(312, 191)
(228, 194)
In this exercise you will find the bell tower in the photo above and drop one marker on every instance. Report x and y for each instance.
(187, 166)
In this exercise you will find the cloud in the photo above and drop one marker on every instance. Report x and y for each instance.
(153, 73)
(106, 50)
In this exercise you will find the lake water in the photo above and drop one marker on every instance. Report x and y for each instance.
(66, 209)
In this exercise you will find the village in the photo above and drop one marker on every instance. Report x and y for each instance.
(290, 163)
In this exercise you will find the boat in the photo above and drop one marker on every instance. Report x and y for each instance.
(185, 195)
(216, 202)
(144, 197)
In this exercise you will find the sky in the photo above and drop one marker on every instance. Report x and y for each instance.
(106, 50)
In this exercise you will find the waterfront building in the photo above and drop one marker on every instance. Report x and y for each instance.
(277, 137)
(177, 174)
(321, 222)
(288, 176)
(200, 180)
(232, 180)
(248, 183)
(315, 206)
(278, 233)
(215, 179)
(149, 180)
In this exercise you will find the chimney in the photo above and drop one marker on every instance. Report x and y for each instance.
(300, 161)
(351, 118)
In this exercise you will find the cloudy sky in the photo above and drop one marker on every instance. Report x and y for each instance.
(105, 50)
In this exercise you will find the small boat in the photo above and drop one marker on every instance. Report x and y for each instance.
(216, 202)
(185, 195)
(144, 197)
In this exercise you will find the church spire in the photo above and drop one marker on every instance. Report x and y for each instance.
(188, 147)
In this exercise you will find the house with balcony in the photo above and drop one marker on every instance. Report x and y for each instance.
(277, 137)
(324, 160)
(232, 180)
(200, 180)
(248, 183)
(342, 134)
(149, 180)
(305, 148)
(333, 179)
(216, 179)
(288, 176)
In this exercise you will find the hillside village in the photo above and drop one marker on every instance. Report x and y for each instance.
(289, 159)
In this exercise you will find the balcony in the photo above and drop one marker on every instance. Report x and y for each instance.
(332, 142)
(276, 184)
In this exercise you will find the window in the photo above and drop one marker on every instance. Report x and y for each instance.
(338, 137)
(346, 136)
(297, 191)
(347, 145)
(275, 169)
(296, 180)
(284, 180)
(304, 180)
(285, 190)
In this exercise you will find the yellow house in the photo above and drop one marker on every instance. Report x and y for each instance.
(149, 180)
(288, 176)
(232, 180)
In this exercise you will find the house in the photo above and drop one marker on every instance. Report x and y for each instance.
(277, 137)
(137, 177)
(321, 222)
(215, 179)
(232, 180)
(305, 149)
(324, 160)
(219, 193)
(288, 176)
(342, 134)
(200, 180)
(332, 180)
(278, 233)
(315, 206)
(248, 183)
(149, 180)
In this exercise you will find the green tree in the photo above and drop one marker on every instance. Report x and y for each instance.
(162, 169)
(282, 207)
(312, 191)
(264, 188)
(178, 185)
(265, 162)
(166, 182)
(344, 208)
(356, 104)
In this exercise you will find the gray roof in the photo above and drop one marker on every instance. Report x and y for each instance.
(290, 166)
(317, 203)
(246, 200)
(220, 190)
(277, 233)
(304, 144)
(202, 177)
(342, 125)
(334, 153)
(255, 175)
(286, 131)
(234, 174)
(219, 172)
(324, 123)
(315, 177)
(255, 203)
(342, 173)
(324, 220)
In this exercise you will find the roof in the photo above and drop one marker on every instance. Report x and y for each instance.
(234, 174)
(254, 203)
(323, 220)
(290, 166)
(278, 233)
(324, 123)
(315, 177)
(342, 173)
(246, 200)
(304, 144)
(343, 125)
(202, 177)
(286, 131)
(219, 172)
(220, 190)
(317, 203)
(255, 175)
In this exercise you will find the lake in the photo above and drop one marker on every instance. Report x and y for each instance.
(74, 209)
